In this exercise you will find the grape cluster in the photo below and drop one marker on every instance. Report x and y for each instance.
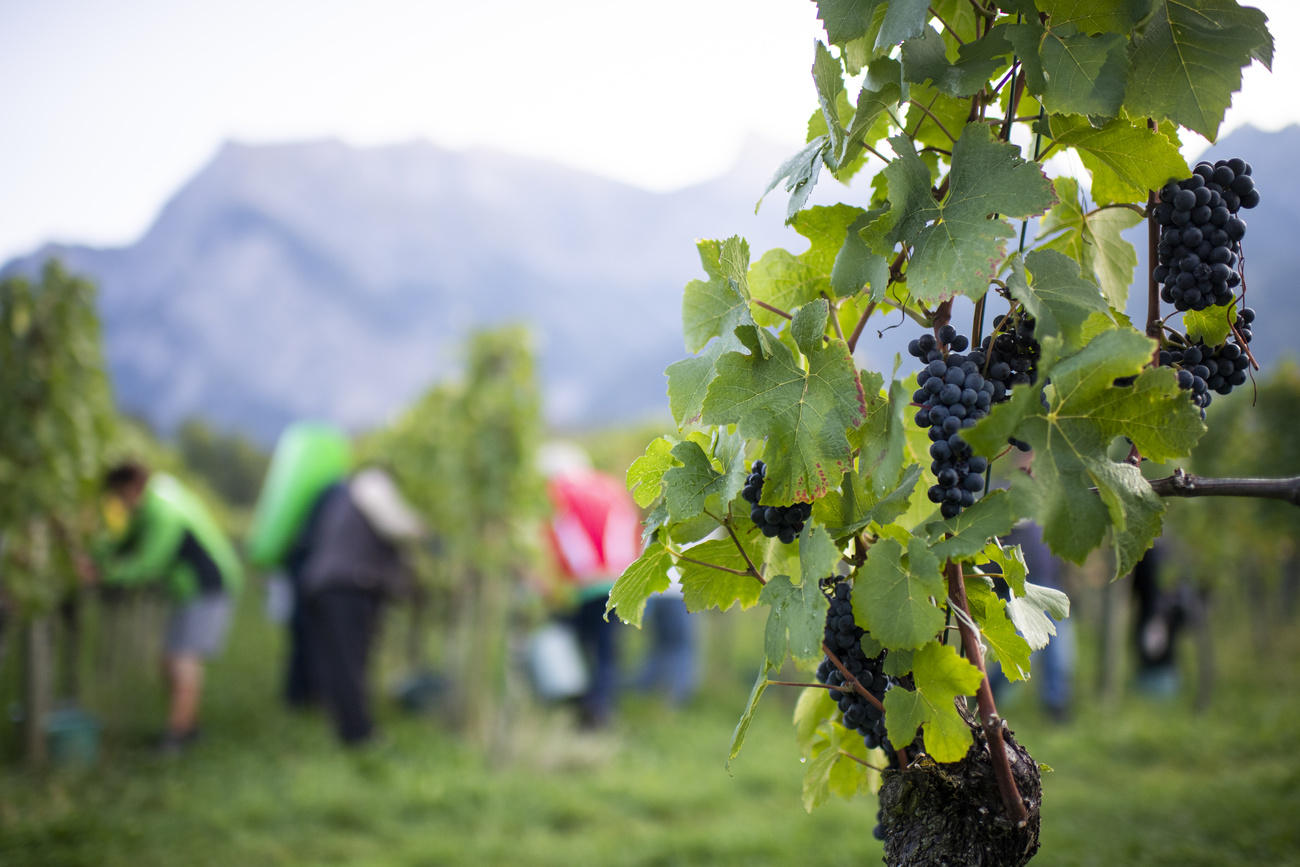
(843, 637)
(1200, 234)
(1009, 356)
(783, 522)
(1203, 369)
(952, 395)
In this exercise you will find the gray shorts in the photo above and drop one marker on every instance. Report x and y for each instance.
(198, 627)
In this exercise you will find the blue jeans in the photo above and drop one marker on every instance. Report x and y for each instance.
(670, 660)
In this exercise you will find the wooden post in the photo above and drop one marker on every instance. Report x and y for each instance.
(38, 688)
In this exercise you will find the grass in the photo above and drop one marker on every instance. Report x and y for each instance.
(1144, 783)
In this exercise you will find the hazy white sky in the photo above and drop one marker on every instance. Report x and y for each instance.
(108, 107)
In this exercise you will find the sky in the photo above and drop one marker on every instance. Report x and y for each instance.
(107, 108)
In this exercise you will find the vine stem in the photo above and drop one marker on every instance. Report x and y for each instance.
(827, 686)
(753, 570)
(851, 680)
(984, 698)
(777, 310)
(713, 565)
(1182, 484)
(862, 323)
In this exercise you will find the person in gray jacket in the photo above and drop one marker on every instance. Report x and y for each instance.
(354, 562)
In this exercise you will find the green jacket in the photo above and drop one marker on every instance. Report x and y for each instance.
(153, 546)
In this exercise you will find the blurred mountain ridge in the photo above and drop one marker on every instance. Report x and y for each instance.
(318, 279)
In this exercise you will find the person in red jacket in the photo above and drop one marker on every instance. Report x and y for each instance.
(594, 533)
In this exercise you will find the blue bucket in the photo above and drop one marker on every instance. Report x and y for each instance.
(72, 737)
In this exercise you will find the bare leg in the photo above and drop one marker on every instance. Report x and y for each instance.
(184, 686)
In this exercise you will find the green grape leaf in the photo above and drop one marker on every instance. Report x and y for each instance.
(904, 19)
(1056, 294)
(805, 415)
(1211, 325)
(814, 707)
(818, 555)
(891, 599)
(717, 306)
(787, 281)
(828, 76)
(856, 266)
(881, 90)
(1125, 158)
(999, 632)
(854, 506)
(817, 776)
(1069, 71)
(1094, 240)
(1070, 440)
(847, 20)
(1011, 560)
(926, 59)
(1187, 58)
(646, 474)
(647, 576)
(796, 621)
(969, 532)
(957, 248)
(688, 382)
(689, 485)
(884, 435)
(1032, 613)
(800, 174)
(704, 586)
(1091, 16)
(747, 716)
(941, 675)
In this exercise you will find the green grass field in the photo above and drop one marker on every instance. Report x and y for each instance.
(1144, 783)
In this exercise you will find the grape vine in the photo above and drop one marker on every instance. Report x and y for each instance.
(887, 467)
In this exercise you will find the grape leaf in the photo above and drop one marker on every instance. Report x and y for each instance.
(1188, 56)
(747, 716)
(1092, 16)
(926, 59)
(1056, 294)
(847, 20)
(1033, 612)
(881, 90)
(1125, 158)
(1069, 71)
(904, 19)
(856, 266)
(1093, 239)
(689, 485)
(646, 474)
(884, 436)
(1086, 412)
(941, 675)
(814, 707)
(804, 414)
(646, 576)
(998, 630)
(796, 621)
(828, 77)
(957, 248)
(787, 281)
(1212, 325)
(688, 381)
(891, 599)
(800, 174)
(854, 506)
(717, 306)
(968, 533)
(705, 587)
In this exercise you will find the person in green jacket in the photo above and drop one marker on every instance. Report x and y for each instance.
(171, 538)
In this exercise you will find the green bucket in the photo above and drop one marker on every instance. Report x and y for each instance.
(72, 737)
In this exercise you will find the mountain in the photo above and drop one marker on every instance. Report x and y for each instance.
(321, 280)
(317, 279)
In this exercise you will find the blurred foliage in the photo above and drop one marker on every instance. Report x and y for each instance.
(232, 464)
(56, 422)
(1253, 434)
(464, 455)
